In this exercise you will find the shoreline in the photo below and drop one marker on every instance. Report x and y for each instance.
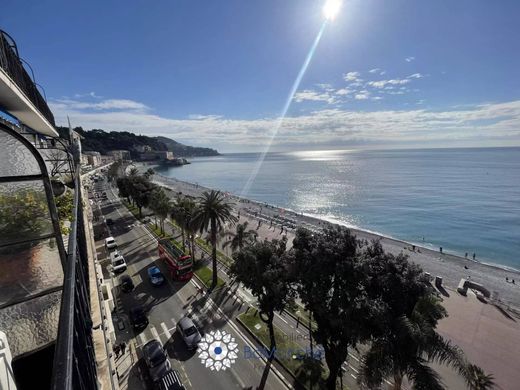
(451, 267)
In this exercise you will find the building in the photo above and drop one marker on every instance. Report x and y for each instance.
(156, 156)
(53, 310)
(93, 158)
(120, 155)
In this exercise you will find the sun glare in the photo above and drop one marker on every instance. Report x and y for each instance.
(331, 9)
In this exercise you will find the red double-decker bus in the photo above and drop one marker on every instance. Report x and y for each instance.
(179, 264)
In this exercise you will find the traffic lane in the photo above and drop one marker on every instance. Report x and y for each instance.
(244, 373)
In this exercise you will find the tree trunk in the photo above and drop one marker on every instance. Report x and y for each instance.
(182, 236)
(214, 252)
(398, 381)
(271, 336)
(334, 364)
(140, 212)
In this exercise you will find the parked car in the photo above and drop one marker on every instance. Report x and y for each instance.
(156, 360)
(126, 283)
(155, 275)
(189, 332)
(170, 381)
(110, 243)
(138, 317)
(110, 221)
(118, 262)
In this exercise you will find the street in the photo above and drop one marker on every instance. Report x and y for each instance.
(166, 304)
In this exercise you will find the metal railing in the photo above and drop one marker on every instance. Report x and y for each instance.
(11, 63)
(74, 360)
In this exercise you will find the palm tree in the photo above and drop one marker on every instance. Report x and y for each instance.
(409, 344)
(478, 379)
(180, 215)
(211, 214)
(133, 172)
(161, 206)
(242, 237)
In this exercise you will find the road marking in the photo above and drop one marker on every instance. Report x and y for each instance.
(283, 319)
(142, 339)
(138, 279)
(353, 376)
(353, 369)
(166, 331)
(154, 332)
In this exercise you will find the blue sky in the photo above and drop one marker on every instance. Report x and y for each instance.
(400, 73)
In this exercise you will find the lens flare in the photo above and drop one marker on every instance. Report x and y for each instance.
(331, 9)
(279, 122)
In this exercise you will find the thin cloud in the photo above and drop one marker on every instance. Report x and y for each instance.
(384, 83)
(352, 76)
(416, 76)
(409, 59)
(491, 121)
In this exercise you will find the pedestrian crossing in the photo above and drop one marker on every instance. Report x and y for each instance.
(164, 334)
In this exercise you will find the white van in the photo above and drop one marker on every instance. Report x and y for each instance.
(110, 243)
(118, 262)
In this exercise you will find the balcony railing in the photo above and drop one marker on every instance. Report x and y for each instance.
(11, 63)
(74, 360)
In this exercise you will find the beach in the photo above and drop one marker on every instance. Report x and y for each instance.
(450, 267)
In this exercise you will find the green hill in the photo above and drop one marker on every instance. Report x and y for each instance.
(102, 141)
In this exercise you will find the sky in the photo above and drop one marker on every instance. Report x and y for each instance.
(385, 74)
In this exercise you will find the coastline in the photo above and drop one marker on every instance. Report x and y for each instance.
(451, 267)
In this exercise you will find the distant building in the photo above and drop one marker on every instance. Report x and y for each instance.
(93, 158)
(120, 155)
(106, 159)
(157, 155)
(143, 148)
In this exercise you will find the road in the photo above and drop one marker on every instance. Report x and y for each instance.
(166, 304)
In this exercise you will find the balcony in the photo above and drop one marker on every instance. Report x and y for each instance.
(18, 92)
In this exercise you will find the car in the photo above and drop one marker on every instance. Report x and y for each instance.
(170, 381)
(126, 283)
(110, 243)
(155, 275)
(138, 318)
(110, 221)
(118, 262)
(156, 360)
(189, 332)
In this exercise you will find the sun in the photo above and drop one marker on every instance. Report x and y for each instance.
(331, 9)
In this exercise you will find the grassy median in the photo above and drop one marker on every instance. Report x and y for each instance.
(309, 372)
(206, 276)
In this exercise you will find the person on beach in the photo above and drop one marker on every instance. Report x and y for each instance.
(123, 348)
(473, 256)
(440, 249)
(466, 256)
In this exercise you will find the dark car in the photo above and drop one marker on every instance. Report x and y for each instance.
(126, 283)
(171, 381)
(110, 221)
(138, 317)
(156, 360)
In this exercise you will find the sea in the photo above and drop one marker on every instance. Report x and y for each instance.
(463, 200)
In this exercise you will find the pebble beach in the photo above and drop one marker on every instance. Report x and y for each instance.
(449, 267)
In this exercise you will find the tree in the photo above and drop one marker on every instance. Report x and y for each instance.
(162, 206)
(329, 280)
(141, 191)
(114, 171)
(211, 214)
(241, 237)
(149, 173)
(124, 185)
(404, 339)
(179, 213)
(262, 268)
(134, 172)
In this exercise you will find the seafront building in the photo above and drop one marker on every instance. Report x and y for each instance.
(55, 310)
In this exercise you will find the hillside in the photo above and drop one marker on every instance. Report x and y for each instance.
(179, 149)
(102, 141)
